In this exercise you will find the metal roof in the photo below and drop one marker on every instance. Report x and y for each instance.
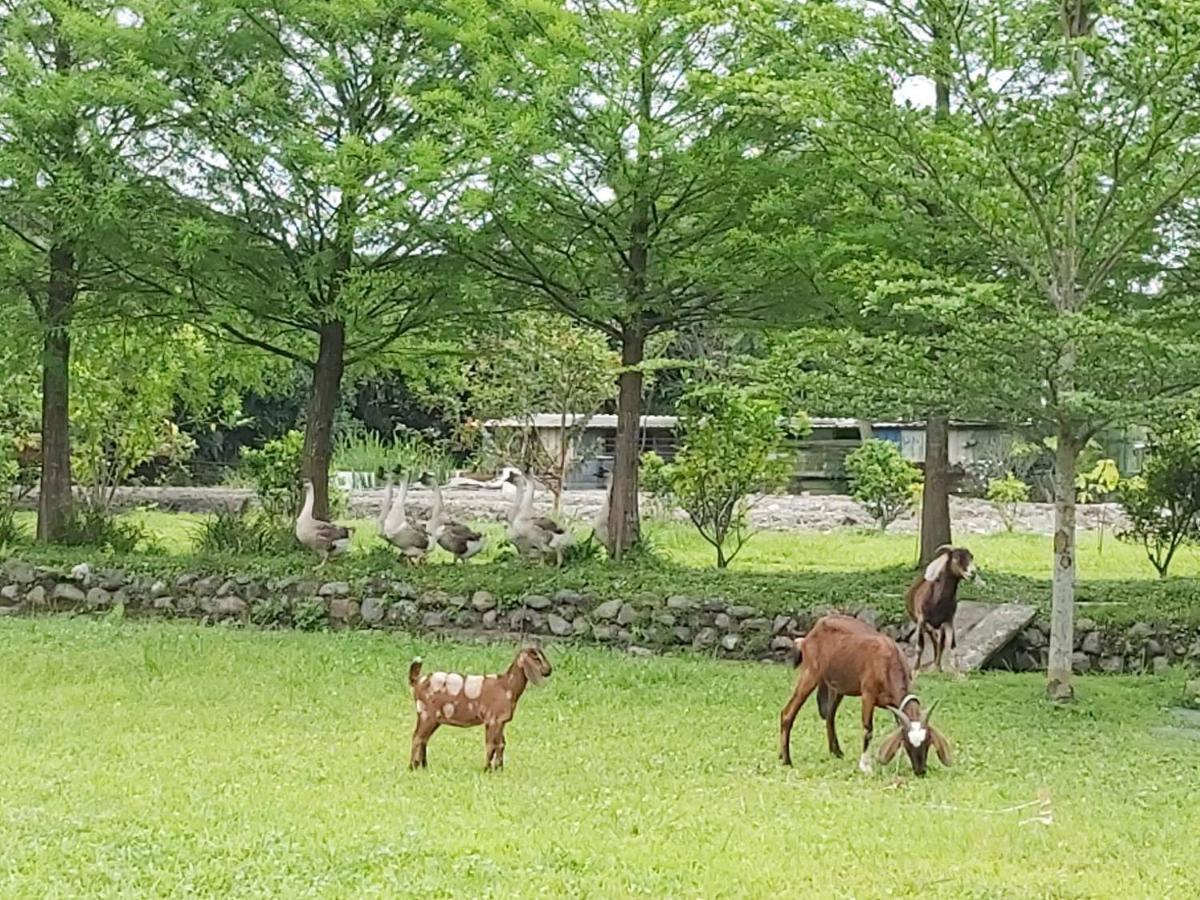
(554, 420)
(606, 421)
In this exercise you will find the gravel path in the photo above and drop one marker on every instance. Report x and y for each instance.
(803, 512)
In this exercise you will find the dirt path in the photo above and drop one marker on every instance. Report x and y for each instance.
(805, 512)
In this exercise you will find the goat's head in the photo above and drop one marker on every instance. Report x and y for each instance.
(915, 734)
(958, 560)
(532, 661)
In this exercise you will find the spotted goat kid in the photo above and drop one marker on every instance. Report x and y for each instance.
(447, 698)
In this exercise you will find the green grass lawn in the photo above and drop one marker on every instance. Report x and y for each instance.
(845, 550)
(170, 760)
(778, 571)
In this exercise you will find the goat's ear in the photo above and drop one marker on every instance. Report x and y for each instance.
(941, 746)
(533, 672)
(889, 747)
(935, 568)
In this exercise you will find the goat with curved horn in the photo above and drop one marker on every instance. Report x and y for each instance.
(844, 657)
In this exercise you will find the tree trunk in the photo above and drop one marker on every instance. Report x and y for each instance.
(54, 499)
(322, 404)
(624, 522)
(935, 497)
(1062, 608)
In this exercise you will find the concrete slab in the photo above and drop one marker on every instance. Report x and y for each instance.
(983, 630)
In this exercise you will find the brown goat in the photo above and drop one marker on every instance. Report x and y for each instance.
(466, 700)
(932, 601)
(842, 656)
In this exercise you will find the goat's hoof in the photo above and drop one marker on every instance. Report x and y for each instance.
(837, 751)
(864, 764)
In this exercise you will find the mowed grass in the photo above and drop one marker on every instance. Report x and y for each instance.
(157, 760)
(843, 550)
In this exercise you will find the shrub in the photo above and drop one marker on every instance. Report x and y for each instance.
(731, 448)
(1162, 505)
(94, 525)
(652, 476)
(1004, 494)
(882, 480)
(239, 530)
(14, 481)
(10, 530)
(309, 614)
(276, 470)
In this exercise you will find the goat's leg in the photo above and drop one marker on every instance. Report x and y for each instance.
(952, 643)
(868, 721)
(939, 645)
(420, 740)
(920, 644)
(805, 686)
(495, 746)
(835, 700)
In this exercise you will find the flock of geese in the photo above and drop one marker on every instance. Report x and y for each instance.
(538, 538)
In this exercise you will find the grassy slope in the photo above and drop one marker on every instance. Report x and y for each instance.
(157, 760)
(776, 571)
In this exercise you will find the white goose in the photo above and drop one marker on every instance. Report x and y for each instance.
(410, 538)
(536, 535)
(323, 538)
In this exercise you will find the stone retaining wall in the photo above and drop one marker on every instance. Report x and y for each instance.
(643, 624)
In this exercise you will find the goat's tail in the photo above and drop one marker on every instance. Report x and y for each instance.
(823, 700)
(797, 653)
(414, 671)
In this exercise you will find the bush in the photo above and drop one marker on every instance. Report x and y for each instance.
(94, 525)
(13, 480)
(238, 530)
(276, 472)
(1004, 494)
(10, 530)
(882, 480)
(1162, 505)
(731, 449)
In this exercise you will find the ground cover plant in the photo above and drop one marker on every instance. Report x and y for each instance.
(172, 760)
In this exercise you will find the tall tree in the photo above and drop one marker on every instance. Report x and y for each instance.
(302, 141)
(1074, 147)
(74, 100)
(629, 187)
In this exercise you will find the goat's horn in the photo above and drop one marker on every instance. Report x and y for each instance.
(942, 549)
(929, 712)
(903, 719)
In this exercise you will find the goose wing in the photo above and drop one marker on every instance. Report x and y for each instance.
(462, 532)
(410, 536)
(547, 524)
(327, 532)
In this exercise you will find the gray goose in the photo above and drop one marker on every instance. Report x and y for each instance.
(410, 538)
(323, 538)
(537, 535)
(459, 540)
